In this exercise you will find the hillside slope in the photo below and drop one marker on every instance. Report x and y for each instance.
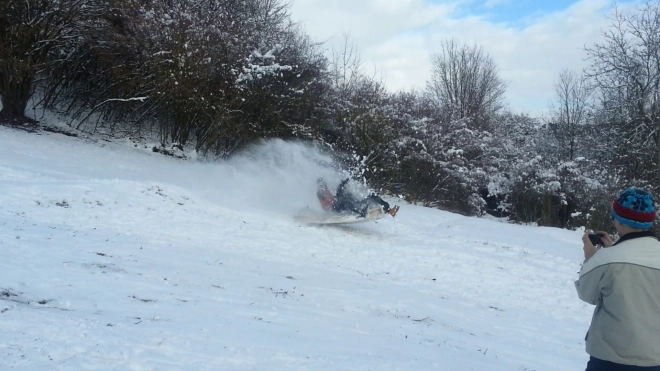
(113, 258)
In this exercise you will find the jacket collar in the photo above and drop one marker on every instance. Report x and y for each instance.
(632, 235)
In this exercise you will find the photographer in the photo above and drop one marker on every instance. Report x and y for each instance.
(623, 280)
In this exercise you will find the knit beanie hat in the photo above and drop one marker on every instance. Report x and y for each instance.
(634, 208)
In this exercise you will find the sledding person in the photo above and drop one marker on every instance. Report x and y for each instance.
(344, 200)
(623, 280)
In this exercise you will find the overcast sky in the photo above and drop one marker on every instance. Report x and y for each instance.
(531, 41)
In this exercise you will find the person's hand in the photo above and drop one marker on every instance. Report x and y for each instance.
(605, 237)
(588, 247)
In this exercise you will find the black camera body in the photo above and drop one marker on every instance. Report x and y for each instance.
(595, 239)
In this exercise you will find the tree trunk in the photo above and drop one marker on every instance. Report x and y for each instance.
(15, 91)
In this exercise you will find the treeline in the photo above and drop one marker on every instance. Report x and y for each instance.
(222, 74)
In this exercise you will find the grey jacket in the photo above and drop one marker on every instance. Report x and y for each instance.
(623, 281)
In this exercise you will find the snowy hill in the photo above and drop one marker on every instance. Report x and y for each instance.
(114, 258)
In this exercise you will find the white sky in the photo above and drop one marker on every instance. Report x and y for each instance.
(531, 41)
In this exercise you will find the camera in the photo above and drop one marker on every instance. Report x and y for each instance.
(595, 239)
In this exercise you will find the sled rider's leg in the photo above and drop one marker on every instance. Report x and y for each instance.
(386, 206)
(339, 206)
(344, 204)
(360, 208)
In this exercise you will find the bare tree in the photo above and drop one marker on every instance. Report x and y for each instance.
(465, 83)
(569, 113)
(345, 66)
(29, 32)
(626, 70)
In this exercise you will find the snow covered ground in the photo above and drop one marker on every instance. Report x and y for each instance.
(115, 258)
